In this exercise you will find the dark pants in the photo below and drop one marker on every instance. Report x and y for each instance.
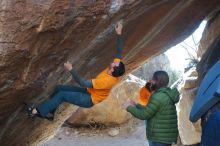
(152, 143)
(63, 93)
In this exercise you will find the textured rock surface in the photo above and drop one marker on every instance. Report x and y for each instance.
(210, 52)
(35, 130)
(110, 112)
(209, 45)
(37, 36)
(210, 34)
(190, 133)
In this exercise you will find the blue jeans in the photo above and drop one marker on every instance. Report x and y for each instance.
(152, 143)
(64, 93)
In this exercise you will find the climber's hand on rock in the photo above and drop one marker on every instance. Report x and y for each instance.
(132, 102)
(118, 28)
(68, 66)
(126, 105)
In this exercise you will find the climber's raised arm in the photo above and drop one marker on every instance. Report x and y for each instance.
(119, 44)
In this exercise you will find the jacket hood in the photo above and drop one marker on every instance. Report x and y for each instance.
(172, 93)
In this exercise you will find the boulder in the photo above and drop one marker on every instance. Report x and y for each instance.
(110, 111)
(190, 133)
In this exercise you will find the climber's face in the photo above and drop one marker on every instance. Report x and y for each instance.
(113, 65)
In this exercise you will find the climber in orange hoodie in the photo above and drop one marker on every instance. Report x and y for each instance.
(90, 92)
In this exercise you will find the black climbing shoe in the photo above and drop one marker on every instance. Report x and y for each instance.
(50, 117)
(29, 108)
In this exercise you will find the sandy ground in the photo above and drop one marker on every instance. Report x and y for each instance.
(128, 136)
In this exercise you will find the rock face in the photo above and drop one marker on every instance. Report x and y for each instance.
(110, 111)
(37, 36)
(209, 45)
(210, 34)
(36, 130)
(210, 52)
(190, 133)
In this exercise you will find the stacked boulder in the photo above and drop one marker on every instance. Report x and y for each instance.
(190, 133)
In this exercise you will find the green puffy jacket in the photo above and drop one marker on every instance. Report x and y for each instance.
(160, 114)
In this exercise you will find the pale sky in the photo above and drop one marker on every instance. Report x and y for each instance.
(178, 55)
